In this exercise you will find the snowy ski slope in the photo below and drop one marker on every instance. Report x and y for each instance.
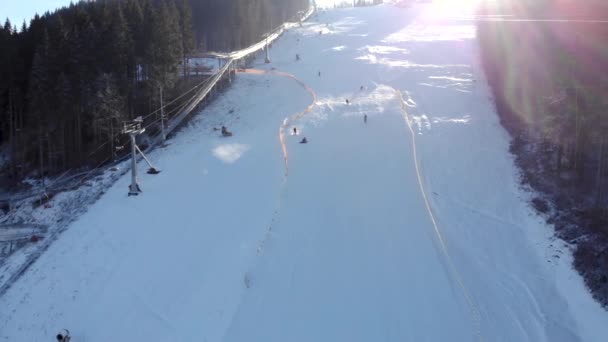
(410, 227)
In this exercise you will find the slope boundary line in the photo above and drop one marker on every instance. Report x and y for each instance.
(277, 212)
(474, 311)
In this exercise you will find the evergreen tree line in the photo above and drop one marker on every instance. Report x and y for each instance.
(550, 86)
(222, 25)
(70, 78)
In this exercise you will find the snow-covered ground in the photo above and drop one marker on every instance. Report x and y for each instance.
(379, 231)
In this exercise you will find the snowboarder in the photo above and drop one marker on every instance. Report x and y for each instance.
(64, 336)
(304, 141)
(365, 118)
(226, 132)
(295, 131)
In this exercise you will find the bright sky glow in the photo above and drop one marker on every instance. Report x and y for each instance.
(455, 4)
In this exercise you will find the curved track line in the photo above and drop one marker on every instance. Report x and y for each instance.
(474, 311)
(292, 118)
(284, 125)
(286, 122)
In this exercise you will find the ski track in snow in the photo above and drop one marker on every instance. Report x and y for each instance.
(353, 98)
(471, 302)
(284, 126)
(410, 227)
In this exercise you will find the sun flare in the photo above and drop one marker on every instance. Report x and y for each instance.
(456, 4)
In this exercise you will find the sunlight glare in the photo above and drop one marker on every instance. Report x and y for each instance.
(454, 7)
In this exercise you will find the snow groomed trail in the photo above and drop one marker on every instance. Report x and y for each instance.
(287, 122)
(410, 227)
(458, 278)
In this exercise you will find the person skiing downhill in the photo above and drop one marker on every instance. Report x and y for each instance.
(226, 132)
(64, 336)
(295, 131)
(365, 118)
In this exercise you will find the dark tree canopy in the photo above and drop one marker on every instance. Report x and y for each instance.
(549, 82)
(70, 78)
(229, 25)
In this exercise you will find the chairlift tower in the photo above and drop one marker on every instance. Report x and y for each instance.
(163, 117)
(267, 59)
(133, 129)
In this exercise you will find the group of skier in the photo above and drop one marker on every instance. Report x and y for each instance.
(304, 140)
(226, 133)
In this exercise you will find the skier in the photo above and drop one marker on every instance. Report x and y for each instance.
(362, 88)
(225, 132)
(295, 131)
(64, 336)
(319, 73)
(365, 118)
(304, 141)
(347, 102)
(297, 57)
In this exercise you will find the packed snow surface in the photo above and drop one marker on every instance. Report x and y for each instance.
(408, 227)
